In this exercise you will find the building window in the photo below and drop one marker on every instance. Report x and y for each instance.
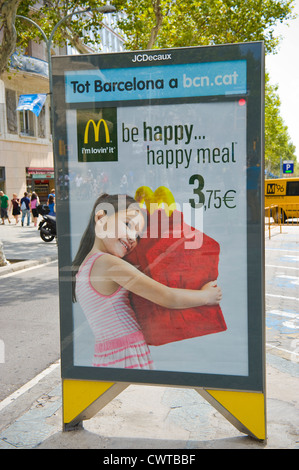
(2, 178)
(26, 120)
(293, 188)
(11, 113)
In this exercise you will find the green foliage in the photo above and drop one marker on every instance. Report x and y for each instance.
(277, 139)
(76, 31)
(193, 22)
(160, 23)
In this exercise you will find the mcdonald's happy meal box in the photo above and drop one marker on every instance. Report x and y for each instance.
(165, 258)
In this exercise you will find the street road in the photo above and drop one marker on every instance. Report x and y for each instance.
(29, 325)
(282, 297)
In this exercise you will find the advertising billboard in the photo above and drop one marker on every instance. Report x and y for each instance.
(159, 167)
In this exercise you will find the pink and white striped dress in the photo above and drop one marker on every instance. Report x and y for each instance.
(119, 342)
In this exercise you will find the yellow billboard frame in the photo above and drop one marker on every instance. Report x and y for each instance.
(82, 399)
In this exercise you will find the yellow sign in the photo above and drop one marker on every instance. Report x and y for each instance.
(96, 128)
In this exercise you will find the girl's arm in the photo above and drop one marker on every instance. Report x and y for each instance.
(124, 274)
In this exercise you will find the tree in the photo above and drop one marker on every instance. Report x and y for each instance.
(81, 32)
(176, 23)
(147, 23)
(8, 10)
(277, 139)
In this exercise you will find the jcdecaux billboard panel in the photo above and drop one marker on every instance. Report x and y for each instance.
(159, 167)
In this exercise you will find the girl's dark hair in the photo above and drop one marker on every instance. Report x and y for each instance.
(88, 237)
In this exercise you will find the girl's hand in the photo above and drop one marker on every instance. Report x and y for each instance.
(212, 293)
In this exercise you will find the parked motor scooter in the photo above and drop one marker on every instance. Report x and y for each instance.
(47, 226)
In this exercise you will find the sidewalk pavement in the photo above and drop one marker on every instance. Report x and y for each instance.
(141, 417)
(24, 248)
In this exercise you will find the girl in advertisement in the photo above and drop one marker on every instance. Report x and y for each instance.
(102, 281)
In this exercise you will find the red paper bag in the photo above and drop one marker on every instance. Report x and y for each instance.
(163, 256)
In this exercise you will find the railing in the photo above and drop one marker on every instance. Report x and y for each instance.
(271, 222)
(279, 216)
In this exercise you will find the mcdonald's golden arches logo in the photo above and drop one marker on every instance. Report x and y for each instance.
(97, 135)
(96, 128)
(162, 197)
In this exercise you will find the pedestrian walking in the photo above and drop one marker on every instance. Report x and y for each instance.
(4, 207)
(51, 205)
(52, 193)
(25, 208)
(34, 202)
(14, 207)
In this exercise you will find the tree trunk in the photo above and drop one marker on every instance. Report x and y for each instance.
(156, 28)
(8, 11)
(3, 260)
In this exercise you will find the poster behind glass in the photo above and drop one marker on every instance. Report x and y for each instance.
(176, 139)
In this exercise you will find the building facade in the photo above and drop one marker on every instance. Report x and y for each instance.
(25, 139)
(26, 157)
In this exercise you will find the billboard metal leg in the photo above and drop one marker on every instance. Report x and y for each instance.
(73, 427)
(82, 399)
(245, 410)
